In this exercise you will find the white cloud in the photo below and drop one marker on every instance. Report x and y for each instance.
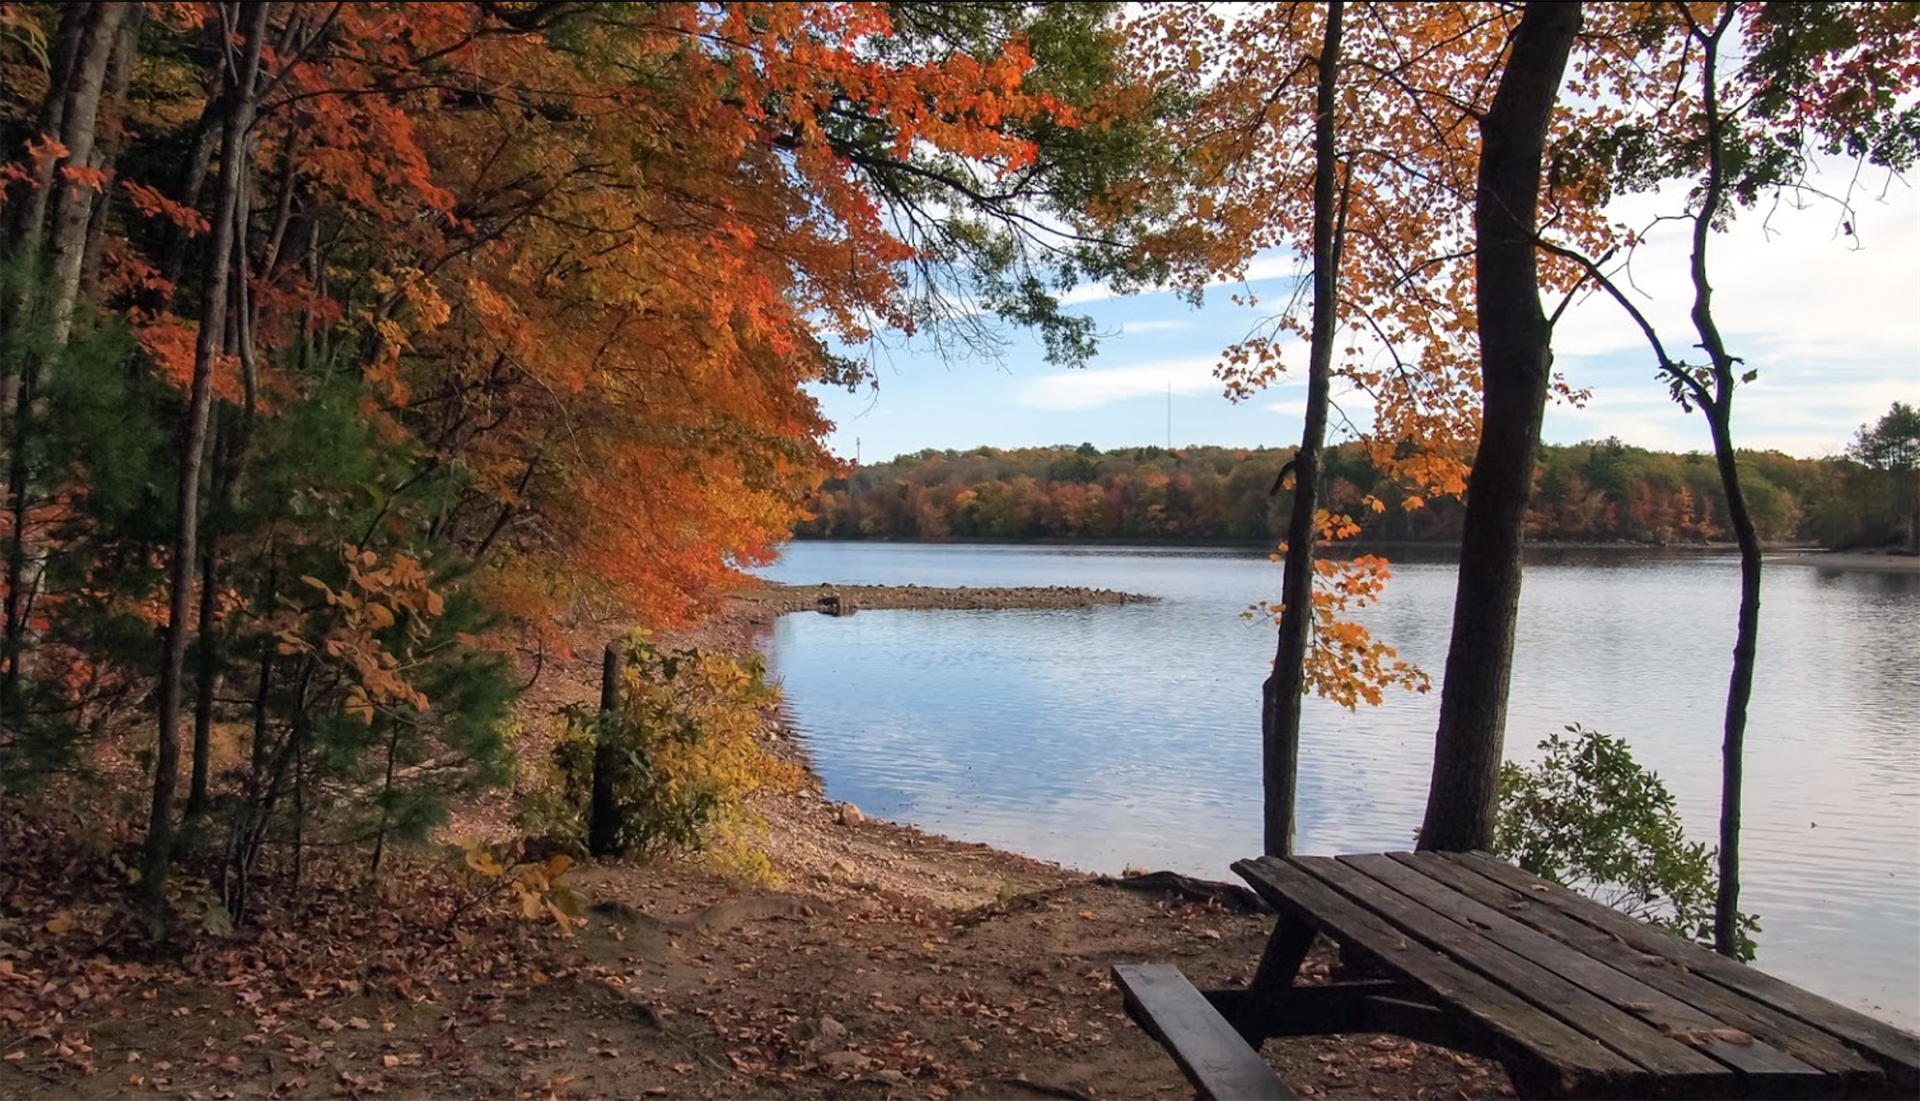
(1267, 266)
(1791, 289)
(1167, 325)
(1097, 386)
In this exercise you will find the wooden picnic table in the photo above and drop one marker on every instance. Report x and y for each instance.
(1574, 998)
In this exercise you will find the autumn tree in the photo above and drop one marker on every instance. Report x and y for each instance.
(1736, 101)
(1361, 164)
(461, 318)
(1516, 368)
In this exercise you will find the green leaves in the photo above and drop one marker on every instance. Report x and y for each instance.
(1590, 817)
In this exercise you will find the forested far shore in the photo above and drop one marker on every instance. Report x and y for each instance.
(1601, 491)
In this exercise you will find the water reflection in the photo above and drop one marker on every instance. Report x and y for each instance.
(1129, 735)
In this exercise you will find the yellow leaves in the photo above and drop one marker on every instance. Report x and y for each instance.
(358, 705)
(369, 629)
(534, 885)
(481, 859)
(1344, 662)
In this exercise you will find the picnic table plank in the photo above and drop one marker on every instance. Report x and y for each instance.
(1897, 1051)
(1216, 1059)
(1764, 1067)
(1850, 1071)
(1540, 1048)
(1675, 1063)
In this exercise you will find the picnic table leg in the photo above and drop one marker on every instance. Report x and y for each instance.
(1286, 951)
(1250, 1010)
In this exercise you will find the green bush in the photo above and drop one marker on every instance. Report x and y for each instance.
(1590, 817)
(686, 751)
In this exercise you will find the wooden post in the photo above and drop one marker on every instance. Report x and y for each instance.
(603, 816)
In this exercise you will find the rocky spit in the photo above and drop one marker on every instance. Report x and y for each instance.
(842, 599)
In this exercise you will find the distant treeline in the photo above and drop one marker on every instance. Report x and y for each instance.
(1602, 491)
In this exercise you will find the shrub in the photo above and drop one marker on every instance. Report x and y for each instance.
(1590, 817)
(686, 753)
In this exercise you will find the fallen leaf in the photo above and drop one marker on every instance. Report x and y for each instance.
(59, 925)
(1734, 1036)
(328, 1024)
(360, 1023)
(1637, 1007)
(389, 1060)
(13, 1056)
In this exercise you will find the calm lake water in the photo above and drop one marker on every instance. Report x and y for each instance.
(1107, 737)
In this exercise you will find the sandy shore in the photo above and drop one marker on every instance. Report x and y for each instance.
(1863, 561)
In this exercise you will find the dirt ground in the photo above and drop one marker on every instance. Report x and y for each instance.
(889, 964)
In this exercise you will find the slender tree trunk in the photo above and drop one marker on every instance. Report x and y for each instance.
(1746, 644)
(68, 207)
(207, 674)
(73, 203)
(603, 816)
(29, 225)
(1283, 690)
(1719, 412)
(238, 123)
(1516, 358)
(108, 146)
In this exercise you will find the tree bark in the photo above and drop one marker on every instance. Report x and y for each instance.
(29, 225)
(107, 147)
(68, 206)
(1719, 413)
(1280, 728)
(1516, 359)
(603, 816)
(73, 203)
(213, 325)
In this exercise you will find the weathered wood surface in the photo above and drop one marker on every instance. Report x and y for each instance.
(1546, 1054)
(1575, 998)
(1214, 1056)
(1896, 1051)
(1795, 1037)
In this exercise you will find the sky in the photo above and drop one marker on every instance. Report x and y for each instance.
(1830, 320)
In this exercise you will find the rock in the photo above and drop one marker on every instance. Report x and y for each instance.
(818, 1034)
(850, 815)
(843, 1062)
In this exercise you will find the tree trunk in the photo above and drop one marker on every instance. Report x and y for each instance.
(27, 230)
(603, 816)
(1280, 728)
(1746, 644)
(238, 123)
(73, 203)
(1516, 359)
(207, 672)
(107, 148)
(80, 90)
(1719, 413)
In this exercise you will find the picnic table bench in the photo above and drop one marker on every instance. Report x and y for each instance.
(1573, 998)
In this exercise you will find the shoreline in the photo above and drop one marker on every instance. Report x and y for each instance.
(1855, 561)
(826, 845)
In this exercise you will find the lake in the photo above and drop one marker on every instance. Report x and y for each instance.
(1107, 737)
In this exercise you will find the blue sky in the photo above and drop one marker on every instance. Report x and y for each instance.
(1831, 321)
